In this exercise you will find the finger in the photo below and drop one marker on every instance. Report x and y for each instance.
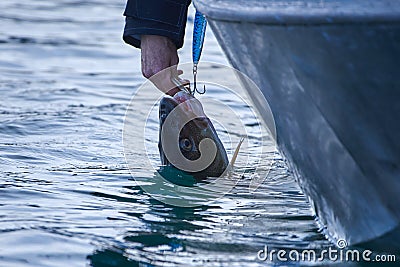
(174, 58)
(173, 71)
(184, 82)
(162, 80)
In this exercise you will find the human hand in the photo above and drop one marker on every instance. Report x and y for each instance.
(159, 53)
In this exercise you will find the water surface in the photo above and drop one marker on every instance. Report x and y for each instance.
(66, 194)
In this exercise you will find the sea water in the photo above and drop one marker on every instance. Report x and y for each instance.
(67, 197)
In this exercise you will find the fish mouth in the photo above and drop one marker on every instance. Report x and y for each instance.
(198, 128)
(168, 104)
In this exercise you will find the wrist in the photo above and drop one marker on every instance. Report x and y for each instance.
(157, 39)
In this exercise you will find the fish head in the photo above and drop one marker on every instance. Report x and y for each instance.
(188, 140)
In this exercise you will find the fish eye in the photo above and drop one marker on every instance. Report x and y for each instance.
(185, 144)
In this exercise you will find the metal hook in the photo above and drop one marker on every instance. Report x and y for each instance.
(195, 82)
(201, 93)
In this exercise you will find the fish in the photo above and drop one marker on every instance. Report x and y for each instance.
(188, 140)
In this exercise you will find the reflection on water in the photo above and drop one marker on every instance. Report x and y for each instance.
(66, 194)
(232, 230)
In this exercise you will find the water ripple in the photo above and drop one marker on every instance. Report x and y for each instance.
(66, 195)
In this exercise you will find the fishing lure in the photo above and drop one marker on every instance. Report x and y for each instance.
(199, 30)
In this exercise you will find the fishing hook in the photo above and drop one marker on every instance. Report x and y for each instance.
(195, 82)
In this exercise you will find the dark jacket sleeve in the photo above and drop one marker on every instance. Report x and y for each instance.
(155, 17)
